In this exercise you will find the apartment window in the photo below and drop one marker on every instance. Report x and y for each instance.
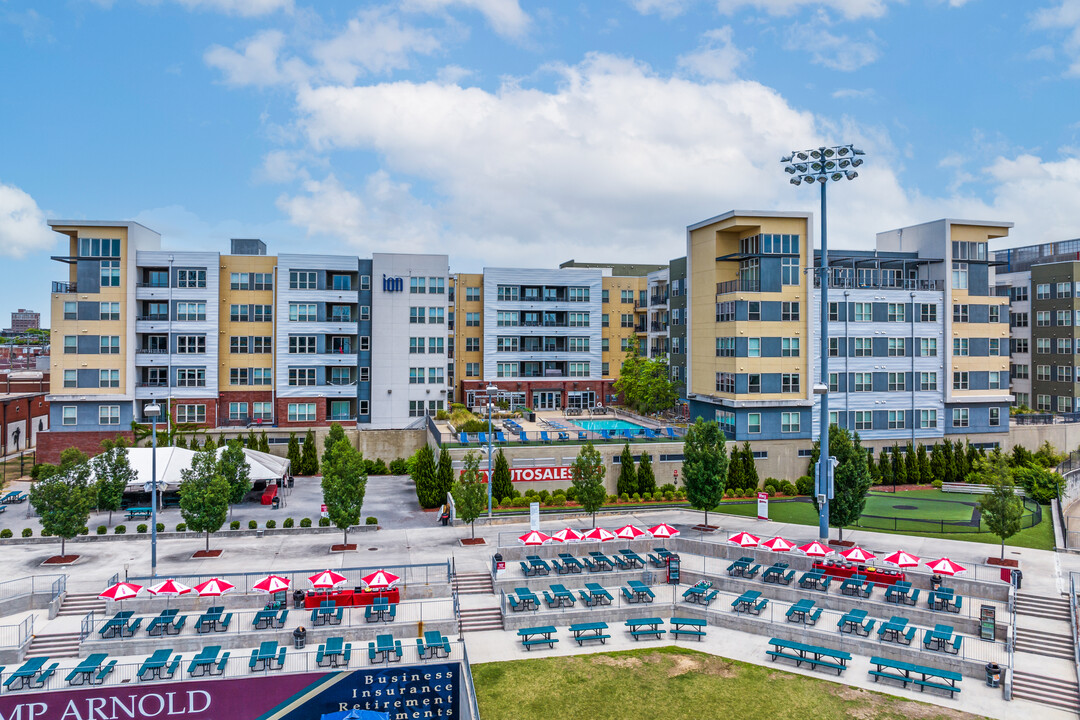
(578, 294)
(417, 316)
(897, 382)
(436, 315)
(436, 345)
(110, 273)
(995, 313)
(191, 311)
(960, 381)
(995, 417)
(70, 415)
(71, 378)
(897, 419)
(1021, 399)
(1042, 318)
(995, 379)
(789, 311)
(789, 271)
(1018, 320)
(960, 417)
(1064, 289)
(928, 381)
(725, 347)
(365, 312)
(605, 344)
(302, 345)
(365, 374)
(834, 347)
(365, 282)
(753, 310)
(1020, 372)
(960, 313)
(71, 344)
(238, 411)
(99, 247)
(108, 415)
(506, 293)
(927, 419)
(303, 280)
(1042, 346)
(251, 313)
(417, 286)
(471, 319)
(864, 312)
(864, 420)
(959, 275)
(472, 344)
(790, 422)
(1064, 346)
(109, 344)
(790, 382)
(1042, 403)
(506, 369)
(106, 310)
(789, 347)
(994, 349)
(578, 319)
(239, 281)
(263, 281)
(303, 312)
(1020, 292)
(626, 320)
(834, 382)
(106, 379)
(417, 346)
(1019, 346)
(191, 377)
(435, 376)
(753, 423)
(896, 312)
(1042, 372)
(472, 369)
(190, 278)
(1064, 318)
(834, 421)
(606, 372)
(960, 347)
(302, 412)
(834, 312)
(577, 344)
(864, 347)
(862, 382)
(725, 382)
(1064, 373)
(506, 344)
(897, 347)
(579, 369)
(416, 376)
(927, 312)
(71, 310)
(604, 320)
(753, 383)
(753, 347)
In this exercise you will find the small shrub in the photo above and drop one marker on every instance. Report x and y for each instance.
(27, 532)
(548, 501)
(667, 487)
(805, 485)
(271, 524)
(288, 523)
(5, 533)
(636, 497)
(669, 495)
(530, 492)
(181, 527)
(612, 499)
(101, 529)
(558, 501)
(937, 484)
(680, 494)
(514, 492)
(141, 528)
(371, 520)
(787, 488)
(161, 527)
(45, 533)
(380, 468)
(571, 493)
(252, 524)
(119, 530)
(324, 522)
(647, 497)
(624, 498)
(544, 495)
(770, 488)
(505, 502)
(234, 525)
(519, 502)
(398, 467)
(84, 531)
(305, 522)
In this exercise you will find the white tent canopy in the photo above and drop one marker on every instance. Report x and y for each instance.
(171, 460)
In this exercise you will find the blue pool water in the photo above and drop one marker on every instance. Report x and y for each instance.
(595, 425)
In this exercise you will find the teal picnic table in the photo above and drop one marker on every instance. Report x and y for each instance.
(815, 580)
(774, 573)
(268, 656)
(746, 602)
(384, 649)
(207, 662)
(919, 675)
(696, 592)
(120, 624)
(645, 627)
(943, 638)
(944, 599)
(537, 636)
(433, 644)
(526, 599)
(539, 564)
(597, 595)
(327, 613)
(139, 513)
(813, 655)
(168, 622)
(159, 665)
(601, 560)
(571, 562)
(269, 618)
(590, 631)
(89, 671)
(691, 627)
(381, 610)
(214, 619)
(902, 592)
(738, 567)
(635, 560)
(856, 585)
(803, 612)
(335, 652)
(33, 673)
(896, 630)
(637, 591)
(854, 621)
(559, 596)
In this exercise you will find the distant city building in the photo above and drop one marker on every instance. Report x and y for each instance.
(23, 320)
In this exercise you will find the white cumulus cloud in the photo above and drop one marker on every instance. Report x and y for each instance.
(504, 16)
(22, 224)
(716, 58)
(258, 62)
(244, 8)
(376, 41)
(850, 9)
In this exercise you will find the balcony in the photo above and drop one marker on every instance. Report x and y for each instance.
(156, 317)
(659, 326)
(658, 299)
(342, 418)
(150, 351)
(734, 286)
(152, 383)
(152, 285)
(64, 287)
(887, 283)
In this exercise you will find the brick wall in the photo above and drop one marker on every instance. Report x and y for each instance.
(211, 409)
(241, 396)
(50, 444)
(602, 388)
(281, 411)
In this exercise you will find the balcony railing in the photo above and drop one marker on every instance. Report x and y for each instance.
(734, 286)
(659, 326)
(846, 282)
(341, 383)
(152, 285)
(152, 317)
(150, 351)
(343, 418)
(658, 299)
(152, 383)
(64, 287)
(641, 327)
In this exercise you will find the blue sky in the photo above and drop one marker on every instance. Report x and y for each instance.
(511, 132)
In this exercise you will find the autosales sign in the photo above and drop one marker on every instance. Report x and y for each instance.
(534, 474)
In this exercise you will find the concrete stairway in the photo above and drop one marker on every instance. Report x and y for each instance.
(1044, 643)
(479, 619)
(81, 605)
(1054, 692)
(57, 645)
(473, 584)
(1044, 607)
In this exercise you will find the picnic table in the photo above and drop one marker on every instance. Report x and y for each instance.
(168, 622)
(602, 560)
(856, 585)
(213, 620)
(815, 580)
(525, 600)
(907, 672)
(637, 591)
(635, 560)
(642, 627)
(775, 573)
(207, 662)
(139, 513)
(433, 644)
(538, 562)
(944, 599)
(590, 631)
(659, 557)
(335, 652)
(696, 592)
(384, 649)
(89, 671)
(803, 612)
(694, 627)
(382, 610)
(738, 567)
(854, 621)
(32, 673)
(269, 618)
(268, 656)
(597, 595)
(537, 636)
(558, 596)
(570, 564)
(120, 624)
(942, 638)
(902, 592)
(15, 496)
(748, 603)
(813, 655)
(329, 614)
(896, 630)
(158, 665)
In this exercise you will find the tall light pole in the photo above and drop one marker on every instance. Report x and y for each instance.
(491, 392)
(820, 165)
(152, 411)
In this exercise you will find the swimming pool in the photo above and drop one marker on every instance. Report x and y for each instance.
(596, 425)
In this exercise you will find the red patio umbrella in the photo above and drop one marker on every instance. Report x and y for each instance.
(744, 539)
(567, 535)
(663, 530)
(169, 587)
(271, 584)
(121, 591)
(600, 534)
(858, 555)
(629, 532)
(214, 587)
(901, 559)
(380, 580)
(945, 566)
(534, 537)
(814, 549)
(778, 544)
(326, 579)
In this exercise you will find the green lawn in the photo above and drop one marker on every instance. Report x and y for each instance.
(674, 683)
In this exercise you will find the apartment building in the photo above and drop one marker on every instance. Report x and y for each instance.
(23, 320)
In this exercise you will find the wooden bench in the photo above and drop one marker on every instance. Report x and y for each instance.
(904, 674)
(801, 653)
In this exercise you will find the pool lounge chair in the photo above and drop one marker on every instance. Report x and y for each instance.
(463, 438)
(650, 435)
(499, 437)
(523, 436)
(544, 437)
(671, 432)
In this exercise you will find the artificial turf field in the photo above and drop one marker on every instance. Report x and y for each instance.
(674, 683)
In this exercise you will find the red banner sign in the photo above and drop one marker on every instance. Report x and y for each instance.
(535, 474)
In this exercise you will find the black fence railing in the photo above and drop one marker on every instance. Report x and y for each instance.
(1031, 518)
(1045, 418)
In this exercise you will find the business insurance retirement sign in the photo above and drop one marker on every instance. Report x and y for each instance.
(410, 692)
(534, 474)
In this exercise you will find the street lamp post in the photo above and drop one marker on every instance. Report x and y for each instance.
(491, 392)
(152, 411)
(820, 165)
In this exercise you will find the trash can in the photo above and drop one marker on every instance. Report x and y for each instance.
(290, 482)
(276, 503)
(298, 599)
(1017, 578)
(935, 582)
(299, 637)
(993, 675)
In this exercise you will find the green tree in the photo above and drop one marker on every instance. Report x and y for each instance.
(194, 442)
(911, 464)
(871, 464)
(627, 482)
(705, 465)
(63, 501)
(948, 462)
(899, 470)
(501, 484)
(1047, 456)
(646, 384)
(180, 441)
(1021, 456)
(204, 494)
(923, 463)
(646, 478)
(469, 493)
(971, 454)
(587, 475)
(1001, 510)
(344, 482)
(210, 444)
(264, 442)
(427, 489)
(939, 467)
(750, 473)
(333, 437)
(444, 473)
(309, 457)
(851, 479)
(1039, 483)
(112, 474)
(293, 454)
(233, 467)
(884, 468)
(252, 442)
